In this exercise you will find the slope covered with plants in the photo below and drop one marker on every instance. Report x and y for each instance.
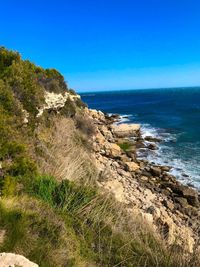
(51, 209)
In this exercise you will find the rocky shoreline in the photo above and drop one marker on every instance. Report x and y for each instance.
(147, 190)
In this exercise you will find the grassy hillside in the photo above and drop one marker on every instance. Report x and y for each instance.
(51, 210)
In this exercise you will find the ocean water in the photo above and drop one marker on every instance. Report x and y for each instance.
(170, 114)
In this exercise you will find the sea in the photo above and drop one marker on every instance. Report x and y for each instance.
(171, 114)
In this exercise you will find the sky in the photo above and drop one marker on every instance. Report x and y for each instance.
(108, 44)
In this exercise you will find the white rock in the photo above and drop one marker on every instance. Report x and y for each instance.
(12, 260)
(55, 101)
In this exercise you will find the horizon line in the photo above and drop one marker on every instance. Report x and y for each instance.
(153, 88)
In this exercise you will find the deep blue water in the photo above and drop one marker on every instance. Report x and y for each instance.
(173, 114)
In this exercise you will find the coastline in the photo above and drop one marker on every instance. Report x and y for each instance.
(161, 115)
(146, 189)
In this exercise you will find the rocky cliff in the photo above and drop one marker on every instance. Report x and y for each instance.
(147, 190)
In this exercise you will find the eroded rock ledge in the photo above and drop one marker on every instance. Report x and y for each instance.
(146, 189)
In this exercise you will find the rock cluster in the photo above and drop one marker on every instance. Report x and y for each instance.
(146, 189)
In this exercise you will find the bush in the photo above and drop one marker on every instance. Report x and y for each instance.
(69, 109)
(8, 185)
(125, 146)
(80, 103)
(7, 101)
(6, 59)
(23, 166)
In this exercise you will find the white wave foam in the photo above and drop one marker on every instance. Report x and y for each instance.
(185, 171)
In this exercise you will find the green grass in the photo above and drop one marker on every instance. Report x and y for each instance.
(37, 232)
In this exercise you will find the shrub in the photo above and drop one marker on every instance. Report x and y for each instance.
(7, 101)
(80, 103)
(8, 186)
(69, 109)
(23, 166)
(6, 59)
(85, 125)
(125, 146)
(11, 149)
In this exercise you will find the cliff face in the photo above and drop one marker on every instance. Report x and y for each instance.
(73, 192)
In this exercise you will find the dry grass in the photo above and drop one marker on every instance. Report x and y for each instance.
(64, 156)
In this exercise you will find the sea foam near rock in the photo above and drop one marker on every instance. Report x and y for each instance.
(166, 154)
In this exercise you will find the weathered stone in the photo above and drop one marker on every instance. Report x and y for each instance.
(189, 193)
(182, 201)
(131, 155)
(152, 147)
(156, 171)
(123, 173)
(168, 204)
(191, 196)
(113, 150)
(126, 130)
(106, 132)
(146, 173)
(144, 178)
(124, 158)
(165, 168)
(55, 101)
(149, 195)
(132, 166)
(154, 211)
(116, 188)
(11, 259)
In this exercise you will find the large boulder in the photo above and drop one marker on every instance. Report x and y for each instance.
(12, 260)
(126, 130)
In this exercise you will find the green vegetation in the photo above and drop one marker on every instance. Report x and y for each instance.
(51, 209)
(125, 146)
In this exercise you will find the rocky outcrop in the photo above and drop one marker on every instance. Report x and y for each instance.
(126, 130)
(147, 190)
(14, 260)
(56, 101)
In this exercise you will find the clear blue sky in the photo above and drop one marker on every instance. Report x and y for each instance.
(108, 44)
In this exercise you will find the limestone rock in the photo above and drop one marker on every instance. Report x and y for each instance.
(116, 188)
(114, 150)
(132, 166)
(55, 101)
(13, 260)
(126, 130)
